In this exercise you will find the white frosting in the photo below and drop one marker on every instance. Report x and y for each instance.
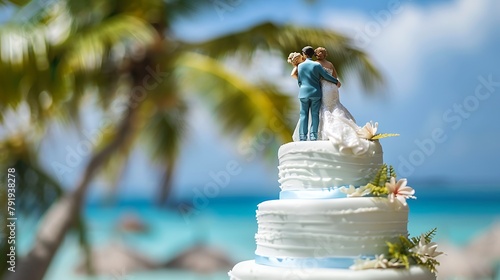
(249, 270)
(343, 227)
(313, 165)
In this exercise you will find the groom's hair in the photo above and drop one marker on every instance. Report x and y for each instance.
(308, 51)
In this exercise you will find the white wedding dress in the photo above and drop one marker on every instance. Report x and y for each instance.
(336, 124)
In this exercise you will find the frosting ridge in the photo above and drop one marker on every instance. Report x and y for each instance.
(320, 164)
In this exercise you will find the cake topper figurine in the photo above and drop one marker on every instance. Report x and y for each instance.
(321, 112)
(309, 75)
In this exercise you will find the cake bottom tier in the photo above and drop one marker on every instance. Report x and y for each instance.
(249, 270)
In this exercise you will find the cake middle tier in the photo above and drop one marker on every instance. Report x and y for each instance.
(315, 165)
(328, 228)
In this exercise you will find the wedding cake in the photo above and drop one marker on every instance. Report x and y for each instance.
(342, 214)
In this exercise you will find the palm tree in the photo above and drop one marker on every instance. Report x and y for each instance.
(124, 53)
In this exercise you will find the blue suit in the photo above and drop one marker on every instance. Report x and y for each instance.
(309, 79)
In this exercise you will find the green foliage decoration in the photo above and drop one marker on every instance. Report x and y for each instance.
(377, 185)
(401, 253)
(383, 135)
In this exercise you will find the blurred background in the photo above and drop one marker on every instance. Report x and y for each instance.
(144, 133)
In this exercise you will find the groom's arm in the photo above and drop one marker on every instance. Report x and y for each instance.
(322, 72)
(299, 81)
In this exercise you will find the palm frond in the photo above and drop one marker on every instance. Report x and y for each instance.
(97, 60)
(164, 133)
(163, 137)
(18, 3)
(348, 60)
(24, 62)
(31, 65)
(118, 37)
(182, 8)
(18, 154)
(241, 107)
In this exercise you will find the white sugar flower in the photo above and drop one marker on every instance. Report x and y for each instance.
(349, 190)
(395, 263)
(399, 190)
(379, 262)
(368, 131)
(354, 192)
(425, 250)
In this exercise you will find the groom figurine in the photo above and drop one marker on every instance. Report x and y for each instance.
(309, 79)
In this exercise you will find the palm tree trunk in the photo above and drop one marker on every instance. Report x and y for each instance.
(62, 215)
(167, 183)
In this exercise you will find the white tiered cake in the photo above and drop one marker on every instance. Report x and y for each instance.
(329, 223)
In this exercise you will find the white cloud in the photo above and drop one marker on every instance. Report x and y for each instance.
(401, 39)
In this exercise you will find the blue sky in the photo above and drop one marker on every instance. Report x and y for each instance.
(440, 60)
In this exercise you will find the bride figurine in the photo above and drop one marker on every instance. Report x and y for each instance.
(336, 123)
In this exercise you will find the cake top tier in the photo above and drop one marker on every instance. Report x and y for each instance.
(320, 165)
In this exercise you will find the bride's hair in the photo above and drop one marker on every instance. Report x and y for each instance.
(320, 50)
(293, 58)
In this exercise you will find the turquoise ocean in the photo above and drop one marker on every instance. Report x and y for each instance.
(229, 224)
